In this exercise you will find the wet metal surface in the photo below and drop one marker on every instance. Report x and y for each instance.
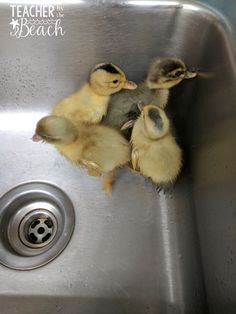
(139, 251)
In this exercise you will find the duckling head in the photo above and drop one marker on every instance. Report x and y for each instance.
(165, 73)
(107, 79)
(155, 122)
(55, 130)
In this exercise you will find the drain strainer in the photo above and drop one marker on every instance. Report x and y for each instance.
(36, 222)
(38, 228)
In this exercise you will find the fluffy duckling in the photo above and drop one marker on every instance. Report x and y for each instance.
(163, 74)
(155, 153)
(99, 148)
(89, 103)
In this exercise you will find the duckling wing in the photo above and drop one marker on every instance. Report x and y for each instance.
(109, 149)
(123, 106)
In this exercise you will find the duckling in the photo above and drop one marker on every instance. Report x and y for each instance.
(98, 148)
(164, 73)
(155, 153)
(89, 103)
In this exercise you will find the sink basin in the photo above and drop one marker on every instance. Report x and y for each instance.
(139, 251)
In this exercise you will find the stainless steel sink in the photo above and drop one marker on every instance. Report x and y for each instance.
(138, 251)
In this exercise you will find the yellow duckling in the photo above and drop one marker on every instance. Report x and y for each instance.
(99, 148)
(155, 153)
(89, 103)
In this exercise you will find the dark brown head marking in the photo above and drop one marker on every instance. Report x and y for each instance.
(156, 118)
(170, 65)
(164, 66)
(108, 68)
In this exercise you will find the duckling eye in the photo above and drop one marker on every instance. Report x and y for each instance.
(170, 75)
(178, 73)
(114, 83)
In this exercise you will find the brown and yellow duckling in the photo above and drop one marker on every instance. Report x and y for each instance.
(164, 73)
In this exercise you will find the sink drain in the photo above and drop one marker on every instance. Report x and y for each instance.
(32, 228)
(37, 221)
(38, 228)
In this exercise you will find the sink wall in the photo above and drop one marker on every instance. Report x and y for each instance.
(139, 251)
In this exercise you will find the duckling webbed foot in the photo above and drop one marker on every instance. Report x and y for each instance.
(107, 182)
(94, 169)
(164, 188)
(129, 124)
(93, 173)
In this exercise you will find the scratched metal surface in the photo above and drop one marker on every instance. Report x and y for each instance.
(137, 252)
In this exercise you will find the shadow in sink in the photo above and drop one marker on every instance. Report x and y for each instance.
(137, 252)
